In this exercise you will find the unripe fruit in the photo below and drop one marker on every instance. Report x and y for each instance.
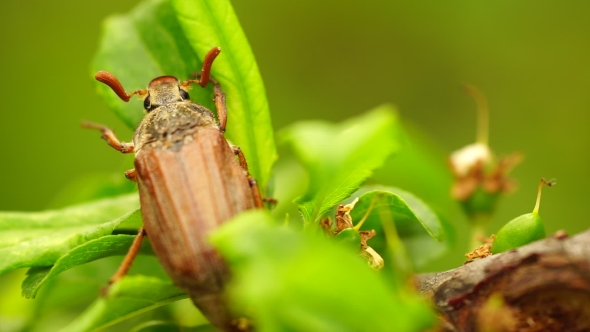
(523, 229)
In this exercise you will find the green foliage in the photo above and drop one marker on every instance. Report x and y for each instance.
(110, 245)
(40, 239)
(296, 281)
(419, 228)
(338, 158)
(405, 208)
(130, 296)
(160, 326)
(349, 237)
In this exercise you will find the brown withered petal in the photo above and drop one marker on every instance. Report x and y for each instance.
(326, 225)
(374, 260)
(482, 251)
(479, 252)
(496, 181)
(462, 189)
(366, 236)
(466, 184)
(343, 218)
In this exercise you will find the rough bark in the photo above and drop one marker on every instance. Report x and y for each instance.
(544, 286)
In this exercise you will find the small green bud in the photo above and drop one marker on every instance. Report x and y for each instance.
(480, 203)
(523, 229)
(350, 237)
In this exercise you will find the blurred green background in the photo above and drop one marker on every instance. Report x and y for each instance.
(329, 60)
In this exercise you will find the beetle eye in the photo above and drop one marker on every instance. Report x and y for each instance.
(147, 104)
(184, 95)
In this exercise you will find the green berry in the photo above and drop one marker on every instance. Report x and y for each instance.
(518, 232)
(523, 229)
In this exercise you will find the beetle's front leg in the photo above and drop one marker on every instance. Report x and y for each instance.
(109, 136)
(220, 104)
(203, 78)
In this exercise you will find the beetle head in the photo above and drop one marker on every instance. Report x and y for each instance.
(164, 90)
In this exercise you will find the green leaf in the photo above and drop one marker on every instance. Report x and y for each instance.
(131, 296)
(150, 42)
(420, 167)
(338, 158)
(209, 23)
(110, 245)
(295, 281)
(160, 326)
(144, 44)
(404, 207)
(420, 229)
(29, 239)
(92, 186)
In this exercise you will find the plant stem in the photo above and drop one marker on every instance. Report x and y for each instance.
(548, 183)
(362, 221)
(400, 260)
(478, 229)
(483, 114)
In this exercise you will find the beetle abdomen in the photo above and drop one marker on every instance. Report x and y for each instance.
(199, 187)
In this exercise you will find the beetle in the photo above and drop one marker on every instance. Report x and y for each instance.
(190, 181)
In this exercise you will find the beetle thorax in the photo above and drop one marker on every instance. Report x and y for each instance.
(170, 125)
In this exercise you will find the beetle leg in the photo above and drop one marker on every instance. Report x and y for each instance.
(220, 105)
(241, 158)
(218, 99)
(271, 202)
(255, 192)
(109, 136)
(203, 78)
(131, 175)
(258, 200)
(131, 254)
(207, 63)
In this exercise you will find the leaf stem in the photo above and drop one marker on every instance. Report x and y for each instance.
(539, 190)
(478, 230)
(366, 216)
(400, 261)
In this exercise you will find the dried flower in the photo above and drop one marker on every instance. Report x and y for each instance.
(479, 178)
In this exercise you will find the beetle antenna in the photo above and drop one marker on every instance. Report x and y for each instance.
(204, 76)
(113, 83)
